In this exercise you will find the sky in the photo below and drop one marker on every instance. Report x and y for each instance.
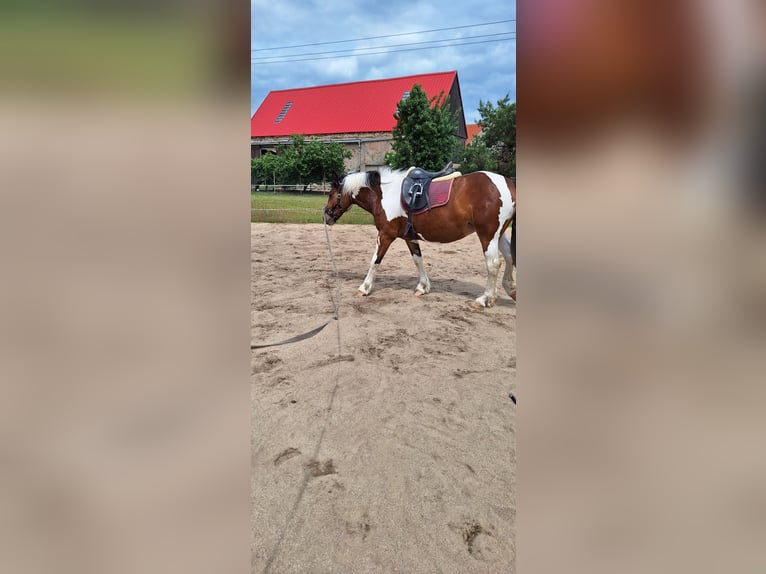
(395, 31)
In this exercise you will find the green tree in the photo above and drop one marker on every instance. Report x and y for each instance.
(319, 160)
(292, 158)
(301, 161)
(424, 132)
(476, 156)
(266, 169)
(498, 134)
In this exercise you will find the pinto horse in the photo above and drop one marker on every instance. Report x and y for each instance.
(481, 202)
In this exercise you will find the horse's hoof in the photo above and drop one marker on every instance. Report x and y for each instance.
(360, 294)
(476, 305)
(513, 294)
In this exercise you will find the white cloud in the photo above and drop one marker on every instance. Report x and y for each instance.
(337, 70)
(486, 71)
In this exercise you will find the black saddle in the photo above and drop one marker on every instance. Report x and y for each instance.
(420, 173)
(415, 192)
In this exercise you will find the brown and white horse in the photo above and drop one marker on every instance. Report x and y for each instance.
(482, 202)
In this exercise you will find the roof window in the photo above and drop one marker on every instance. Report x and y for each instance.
(284, 111)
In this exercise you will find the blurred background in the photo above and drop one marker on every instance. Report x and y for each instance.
(642, 289)
(124, 233)
(124, 237)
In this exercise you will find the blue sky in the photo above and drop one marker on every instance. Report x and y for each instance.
(486, 62)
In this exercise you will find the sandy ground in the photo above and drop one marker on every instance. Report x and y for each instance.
(399, 456)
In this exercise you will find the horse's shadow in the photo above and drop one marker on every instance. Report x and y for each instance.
(406, 283)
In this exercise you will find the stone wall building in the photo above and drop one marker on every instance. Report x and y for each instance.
(358, 114)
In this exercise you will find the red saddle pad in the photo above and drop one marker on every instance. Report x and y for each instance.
(438, 194)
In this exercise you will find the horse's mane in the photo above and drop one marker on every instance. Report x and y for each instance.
(353, 182)
(391, 179)
(385, 177)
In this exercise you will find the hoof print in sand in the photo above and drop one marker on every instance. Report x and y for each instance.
(335, 487)
(286, 455)
(361, 527)
(266, 364)
(316, 468)
(477, 539)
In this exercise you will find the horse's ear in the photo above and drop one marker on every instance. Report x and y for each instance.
(373, 177)
(335, 181)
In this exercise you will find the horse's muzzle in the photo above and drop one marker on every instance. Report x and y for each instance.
(328, 217)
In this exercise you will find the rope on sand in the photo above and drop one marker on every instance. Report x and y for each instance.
(336, 304)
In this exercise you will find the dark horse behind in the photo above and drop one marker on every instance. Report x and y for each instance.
(481, 202)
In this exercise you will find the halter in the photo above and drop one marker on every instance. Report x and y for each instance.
(337, 205)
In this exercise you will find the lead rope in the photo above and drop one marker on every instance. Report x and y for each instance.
(336, 303)
(335, 317)
(306, 475)
(336, 299)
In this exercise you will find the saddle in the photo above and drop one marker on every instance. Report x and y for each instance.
(415, 195)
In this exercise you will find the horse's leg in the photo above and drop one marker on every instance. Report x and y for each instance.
(381, 246)
(492, 258)
(509, 282)
(424, 285)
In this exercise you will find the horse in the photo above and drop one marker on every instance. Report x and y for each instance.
(481, 202)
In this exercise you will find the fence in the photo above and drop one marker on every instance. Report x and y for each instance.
(290, 188)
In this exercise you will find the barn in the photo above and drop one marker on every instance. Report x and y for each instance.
(358, 114)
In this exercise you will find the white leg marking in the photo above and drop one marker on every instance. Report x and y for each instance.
(492, 258)
(366, 285)
(424, 284)
(507, 205)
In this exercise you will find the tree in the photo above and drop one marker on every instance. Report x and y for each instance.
(498, 134)
(320, 160)
(265, 168)
(476, 156)
(301, 161)
(424, 132)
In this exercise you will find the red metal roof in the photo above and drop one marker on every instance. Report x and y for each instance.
(342, 108)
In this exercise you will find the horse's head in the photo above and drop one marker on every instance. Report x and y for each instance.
(337, 203)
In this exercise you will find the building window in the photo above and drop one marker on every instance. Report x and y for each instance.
(284, 111)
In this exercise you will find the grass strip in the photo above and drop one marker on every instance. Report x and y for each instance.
(298, 208)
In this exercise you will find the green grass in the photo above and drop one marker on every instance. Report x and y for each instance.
(295, 208)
